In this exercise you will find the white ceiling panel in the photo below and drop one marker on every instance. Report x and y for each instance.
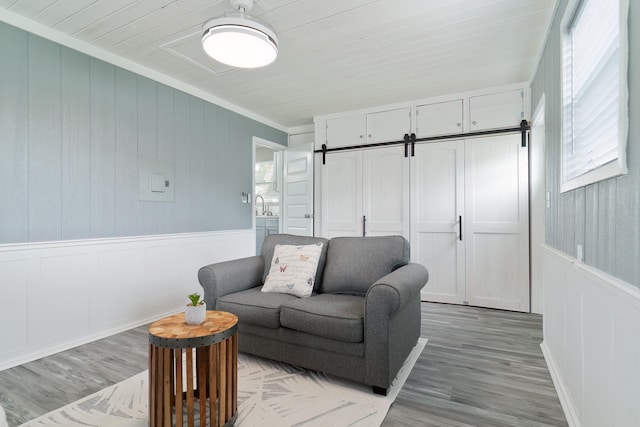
(335, 55)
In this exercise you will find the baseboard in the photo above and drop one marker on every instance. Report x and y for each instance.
(569, 409)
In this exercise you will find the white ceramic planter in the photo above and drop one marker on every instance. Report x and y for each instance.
(195, 315)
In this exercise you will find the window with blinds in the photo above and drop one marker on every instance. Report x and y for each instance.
(595, 94)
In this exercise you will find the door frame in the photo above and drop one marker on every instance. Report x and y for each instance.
(274, 146)
(537, 204)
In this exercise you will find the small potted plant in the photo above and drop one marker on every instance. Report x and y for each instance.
(196, 311)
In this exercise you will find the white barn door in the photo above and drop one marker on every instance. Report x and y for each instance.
(437, 199)
(497, 222)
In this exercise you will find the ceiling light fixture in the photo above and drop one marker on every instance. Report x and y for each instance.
(239, 39)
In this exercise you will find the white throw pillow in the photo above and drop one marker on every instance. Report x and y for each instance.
(293, 269)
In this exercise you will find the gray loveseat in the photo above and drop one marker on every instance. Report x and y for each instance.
(360, 323)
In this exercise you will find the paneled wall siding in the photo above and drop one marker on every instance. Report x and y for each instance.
(603, 217)
(73, 129)
(591, 318)
(57, 295)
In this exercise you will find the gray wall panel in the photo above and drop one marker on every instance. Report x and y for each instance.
(73, 129)
(196, 165)
(165, 151)
(147, 147)
(44, 140)
(181, 163)
(212, 166)
(14, 209)
(223, 145)
(76, 134)
(103, 149)
(126, 179)
(604, 217)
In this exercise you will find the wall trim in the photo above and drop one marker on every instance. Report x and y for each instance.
(618, 288)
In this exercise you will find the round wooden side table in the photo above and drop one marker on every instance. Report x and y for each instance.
(212, 379)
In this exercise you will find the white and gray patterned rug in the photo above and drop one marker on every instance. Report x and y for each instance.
(269, 394)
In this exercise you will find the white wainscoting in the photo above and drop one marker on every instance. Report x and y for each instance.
(57, 295)
(591, 342)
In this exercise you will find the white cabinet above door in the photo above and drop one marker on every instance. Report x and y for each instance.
(441, 118)
(496, 110)
(345, 131)
(371, 128)
(390, 125)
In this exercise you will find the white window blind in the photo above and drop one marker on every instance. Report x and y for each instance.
(595, 95)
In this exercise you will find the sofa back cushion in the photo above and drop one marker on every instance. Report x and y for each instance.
(355, 263)
(269, 245)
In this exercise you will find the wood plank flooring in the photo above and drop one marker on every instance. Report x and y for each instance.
(481, 367)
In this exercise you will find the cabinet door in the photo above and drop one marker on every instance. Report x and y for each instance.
(342, 194)
(261, 232)
(497, 223)
(496, 110)
(386, 126)
(385, 193)
(272, 226)
(442, 118)
(437, 198)
(345, 131)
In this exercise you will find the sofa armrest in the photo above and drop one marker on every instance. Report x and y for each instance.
(392, 323)
(227, 277)
(392, 292)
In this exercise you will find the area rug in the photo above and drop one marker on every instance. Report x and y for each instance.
(269, 394)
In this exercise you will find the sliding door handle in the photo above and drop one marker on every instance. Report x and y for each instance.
(364, 225)
(460, 226)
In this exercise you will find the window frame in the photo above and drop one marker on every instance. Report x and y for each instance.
(615, 167)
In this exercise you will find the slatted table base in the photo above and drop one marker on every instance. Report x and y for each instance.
(216, 373)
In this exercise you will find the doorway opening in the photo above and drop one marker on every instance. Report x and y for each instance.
(267, 185)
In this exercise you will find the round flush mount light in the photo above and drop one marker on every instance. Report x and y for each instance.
(239, 39)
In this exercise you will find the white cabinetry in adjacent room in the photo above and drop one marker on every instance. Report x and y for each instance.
(440, 118)
(365, 192)
(496, 110)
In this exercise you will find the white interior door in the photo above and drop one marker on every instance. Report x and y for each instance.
(297, 217)
(342, 194)
(385, 192)
(437, 199)
(496, 227)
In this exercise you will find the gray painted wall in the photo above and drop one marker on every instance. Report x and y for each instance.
(603, 217)
(72, 129)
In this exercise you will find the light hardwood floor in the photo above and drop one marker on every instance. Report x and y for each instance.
(480, 367)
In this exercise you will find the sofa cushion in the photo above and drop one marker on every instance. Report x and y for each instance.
(356, 263)
(272, 240)
(293, 269)
(255, 307)
(339, 317)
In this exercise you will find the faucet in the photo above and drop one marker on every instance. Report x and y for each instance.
(262, 198)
